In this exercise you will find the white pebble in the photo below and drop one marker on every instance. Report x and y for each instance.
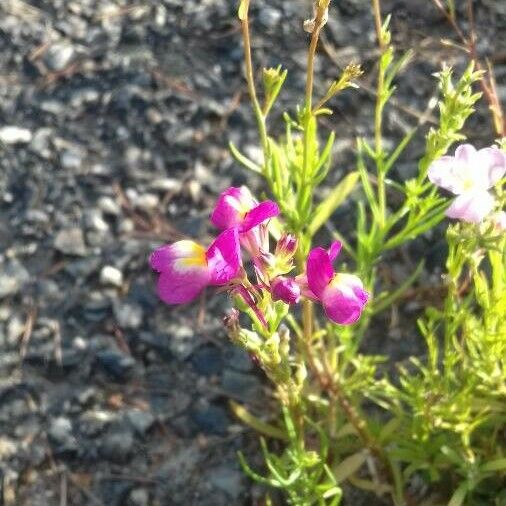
(109, 275)
(15, 135)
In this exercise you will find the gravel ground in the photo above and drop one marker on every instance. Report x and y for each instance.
(114, 121)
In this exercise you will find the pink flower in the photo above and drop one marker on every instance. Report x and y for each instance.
(469, 174)
(236, 207)
(186, 268)
(342, 295)
(285, 289)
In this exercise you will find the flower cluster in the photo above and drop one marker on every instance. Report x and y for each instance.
(469, 175)
(186, 267)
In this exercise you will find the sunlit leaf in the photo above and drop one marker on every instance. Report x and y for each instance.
(243, 10)
(255, 423)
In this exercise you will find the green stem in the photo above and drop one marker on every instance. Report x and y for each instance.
(378, 116)
(319, 21)
(257, 109)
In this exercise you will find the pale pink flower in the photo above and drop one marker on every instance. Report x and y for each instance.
(469, 174)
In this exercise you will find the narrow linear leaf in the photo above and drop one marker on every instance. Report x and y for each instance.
(253, 475)
(389, 428)
(255, 423)
(331, 492)
(399, 150)
(377, 488)
(244, 160)
(459, 496)
(346, 430)
(494, 465)
(349, 466)
(333, 201)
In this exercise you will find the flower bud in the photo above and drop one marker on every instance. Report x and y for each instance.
(285, 289)
(284, 340)
(301, 374)
(286, 246)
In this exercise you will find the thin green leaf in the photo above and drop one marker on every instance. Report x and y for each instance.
(326, 155)
(255, 423)
(243, 159)
(253, 475)
(459, 496)
(349, 466)
(398, 150)
(419, 226)
(494, 465)
(333, 201)
(346, 430)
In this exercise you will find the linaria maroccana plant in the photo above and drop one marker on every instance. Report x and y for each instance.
(443, 421)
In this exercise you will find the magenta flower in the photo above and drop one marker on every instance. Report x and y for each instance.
(285, 289)
(186, 268)
(342, 295)
(236, 207)
(469, 174)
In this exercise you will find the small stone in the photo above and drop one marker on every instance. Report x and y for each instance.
(15, 135)
(12, 277)
(269, 17)
(41, 142)
(109, 275)
(117, 446)
(37, 216)
(70, 242)
(94, 221)
(60, 434)
(141, 421)
(156, 342)
(126, 226)
(181, 341)
(227, 480)
(128, 314)
(240, 385)
(194, 189)
(72, 159)
(207, 360)
(86, 396)
(139, 497)
(167, 184)
(211, 420)
(59, 56)
(116, 363)
(109, 206)
(8, 448)
(147, 202)
(15, 328)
